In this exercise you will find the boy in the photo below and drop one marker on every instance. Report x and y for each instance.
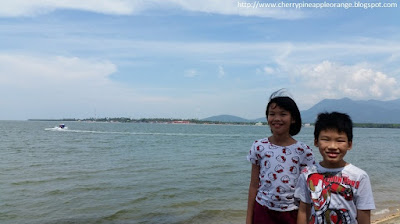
(334, 191)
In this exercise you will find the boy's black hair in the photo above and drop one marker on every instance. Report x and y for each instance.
(336, 121)
(288, 104)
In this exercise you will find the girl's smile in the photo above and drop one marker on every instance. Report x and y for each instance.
(279, 119)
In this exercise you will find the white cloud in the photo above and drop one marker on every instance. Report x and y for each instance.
(352, 70)
(221, 72)
(268, 70)
(37, 7)
(58, 87)
(190, 73)
(234, 7)
(24, 71)
(127, 7)
(80, 83)
(358, 81)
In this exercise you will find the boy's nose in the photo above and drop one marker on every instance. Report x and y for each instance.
(333, 145)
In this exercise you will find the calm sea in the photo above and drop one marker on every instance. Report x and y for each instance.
(153, 173)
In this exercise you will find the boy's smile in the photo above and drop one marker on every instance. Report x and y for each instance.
(333, 146)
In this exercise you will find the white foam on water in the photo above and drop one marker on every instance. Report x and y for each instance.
(141, 133)
(56, 129)
(381, 212)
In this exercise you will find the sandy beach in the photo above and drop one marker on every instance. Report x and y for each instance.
(392, 217)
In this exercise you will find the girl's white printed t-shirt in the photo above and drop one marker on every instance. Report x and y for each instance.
(280, 167)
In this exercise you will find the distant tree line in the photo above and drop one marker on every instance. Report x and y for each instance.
(163, 120)
(194, 121)
(372, 125)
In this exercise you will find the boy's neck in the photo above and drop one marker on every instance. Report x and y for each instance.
(333, 166)
(281, 140)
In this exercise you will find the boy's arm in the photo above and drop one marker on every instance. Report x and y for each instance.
(304, 213)
(253, 188)
(364, 216)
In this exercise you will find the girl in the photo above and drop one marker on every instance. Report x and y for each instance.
(276, 164)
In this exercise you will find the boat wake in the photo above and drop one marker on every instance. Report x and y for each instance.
(142, 133)
(60, 127)
(56, 129)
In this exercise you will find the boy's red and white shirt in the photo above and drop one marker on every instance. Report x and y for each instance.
(335, 194)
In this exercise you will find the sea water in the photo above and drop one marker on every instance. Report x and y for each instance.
(153, 173)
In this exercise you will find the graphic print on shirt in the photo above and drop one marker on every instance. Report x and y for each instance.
(321, 187)
(279, 170)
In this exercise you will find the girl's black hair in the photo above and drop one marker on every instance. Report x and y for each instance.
(336, 121)
(288, 104)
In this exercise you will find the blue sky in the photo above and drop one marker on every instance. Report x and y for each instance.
(189, 59)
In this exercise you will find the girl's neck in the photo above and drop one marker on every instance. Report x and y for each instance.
(282, 140)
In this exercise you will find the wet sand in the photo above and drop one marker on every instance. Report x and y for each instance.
(391, 219)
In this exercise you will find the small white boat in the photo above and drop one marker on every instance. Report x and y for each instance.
(60, 127)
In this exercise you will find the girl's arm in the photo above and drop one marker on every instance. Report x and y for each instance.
(364, 216)
(253, 188)
(304, 213)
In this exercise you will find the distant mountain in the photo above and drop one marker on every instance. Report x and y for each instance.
(261, 119)
(361, 111)
(225, 118)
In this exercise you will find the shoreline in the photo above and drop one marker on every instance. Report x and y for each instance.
(391, 217)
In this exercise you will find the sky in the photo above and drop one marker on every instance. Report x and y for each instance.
(190, 59)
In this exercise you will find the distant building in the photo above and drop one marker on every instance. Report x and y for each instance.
(181, 122)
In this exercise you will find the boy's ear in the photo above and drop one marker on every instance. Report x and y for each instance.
(350, 145)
